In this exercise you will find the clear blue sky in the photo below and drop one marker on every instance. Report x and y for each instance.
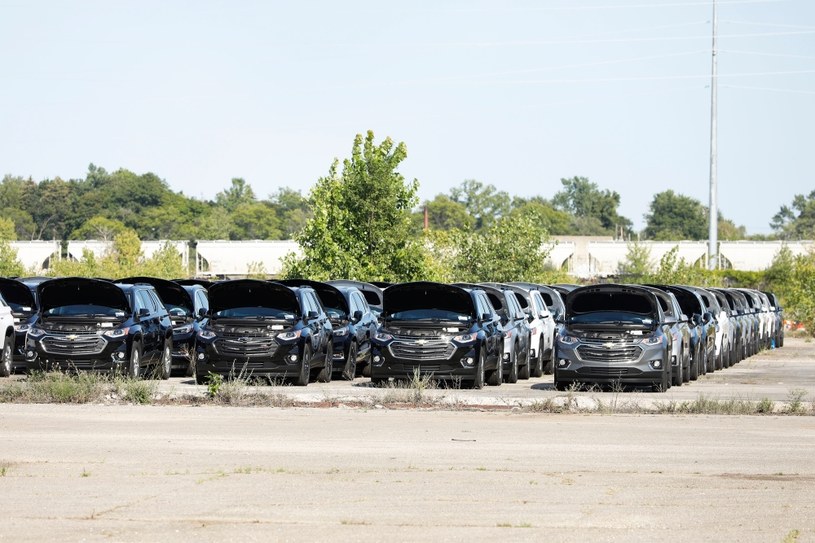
(518, 94)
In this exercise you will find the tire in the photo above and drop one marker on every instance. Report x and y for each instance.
(134, 364)
(350, 370)
(305, 367)
(7, 360)
(694, 364)
(512, 377)
(523, 370)
(561, 385)
(549, 365)
(686, 370)
(324, 376)
(537, 368)
(676, 375)
(496, 376)
(165, 367)
(478, 380)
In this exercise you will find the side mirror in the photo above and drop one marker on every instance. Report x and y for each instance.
(696, 319)
(707, 317)
(670, 320)
(357, 316)
(202, 312)
(485, 317)
(311, 315)
(143, 312)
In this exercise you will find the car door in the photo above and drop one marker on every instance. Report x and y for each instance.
(149, 324)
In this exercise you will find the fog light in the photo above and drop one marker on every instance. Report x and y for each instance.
(292, 358)
(200, 356)
(378, 359)
(562, 363)
(656, 364)
(29, 354)
(506, 357)
(120, 355)
(674, 360)
(468, 360)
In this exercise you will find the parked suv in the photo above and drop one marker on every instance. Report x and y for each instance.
(93, 324)
(444, 331)
(613, 334)
(187, 306)
(353, 322)
(6, 339)
(264, 329)
(23, 306)
(541, 324)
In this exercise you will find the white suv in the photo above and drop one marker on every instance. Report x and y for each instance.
(6, 339)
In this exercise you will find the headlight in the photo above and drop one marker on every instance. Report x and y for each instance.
(383, 337)
(567, 340)
(465, 338)
(206, 334)
(116, 333)
(186, 329)
(36, 332)
(290, 335)
(22, 327)
(340, 331)
(653, 340)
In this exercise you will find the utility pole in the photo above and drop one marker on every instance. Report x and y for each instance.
(713, 232)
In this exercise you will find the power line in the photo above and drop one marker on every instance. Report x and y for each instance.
(651, 78)
(761, 53)
(598, 7)
(770, 89)
(777, 25)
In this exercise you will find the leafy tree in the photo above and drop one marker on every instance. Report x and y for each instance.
(100, 228)
(360, 228)
(7, 230)
(240, 192)
(674, 216)
(637, 266)
(484, 203)
(255, 220)
(215, 223)
(23, 222)
(444, 213)
(10, 266)
(292, 211)
(556, 222)
(584, 199)
(796, 221)
(513, 248)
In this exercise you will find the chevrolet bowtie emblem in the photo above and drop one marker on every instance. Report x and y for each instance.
(608, 345)
(71, 337)
(421, 341)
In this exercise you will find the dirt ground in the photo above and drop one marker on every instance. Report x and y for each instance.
(180, 473)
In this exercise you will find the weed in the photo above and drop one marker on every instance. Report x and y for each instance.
(137, 391)
(85, 473)
(791, 537)
(795, 401)
(4, 467)
(214, 382)
(765, 405)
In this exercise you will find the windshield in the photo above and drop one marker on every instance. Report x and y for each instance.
(432, 314)
(177, 310)
(335, 313)
(84, 311)
(258, 312)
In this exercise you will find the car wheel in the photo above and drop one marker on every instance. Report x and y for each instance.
(523, 369)
(328, 368)
(479, 378)
(350, 370)
(694, 364)
(561, 385)
(496, 376)
(537, 367)
(305, 368)
(512, 376)
(7, 362)
(134, 366)
(686, 369)
(676, 374)
(549, 365)
(166, 364)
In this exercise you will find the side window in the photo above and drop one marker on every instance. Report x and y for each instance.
(315, 302)
(496, 303)
(159, 305)
(143, 301)
(202, 300)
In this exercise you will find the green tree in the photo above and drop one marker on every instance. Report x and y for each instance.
(585, 200)
(484, 203)
(361, 223)
(292, 211)
(255, 220)
(796, 221)
(555, 221)
(637, 266)
(674, 216)
(444, 213)
(100, 228)
(239, 192)
(7, 230)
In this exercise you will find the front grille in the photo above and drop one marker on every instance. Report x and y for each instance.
(609, 353)
(73, 344)
(239, 368)
(246, 346)
(596, 371)
(426, 349)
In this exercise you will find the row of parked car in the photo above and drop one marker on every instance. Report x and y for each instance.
(465, 333)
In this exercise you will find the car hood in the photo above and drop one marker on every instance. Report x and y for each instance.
(330, 296)
(424, 295)
(251, 293)
(80, 291)
(15, 292)
(611, 297)
(170, 292)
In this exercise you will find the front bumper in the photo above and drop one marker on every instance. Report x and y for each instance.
(460, 362)
(59, 352)
(276, 361)
(648, 367)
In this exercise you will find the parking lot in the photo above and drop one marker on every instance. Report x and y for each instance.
(175, 473)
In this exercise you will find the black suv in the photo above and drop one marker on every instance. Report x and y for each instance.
(92, 324)
(445, 331)
(188, 306)
(264, 329)
(353, 322)
(23, 306)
